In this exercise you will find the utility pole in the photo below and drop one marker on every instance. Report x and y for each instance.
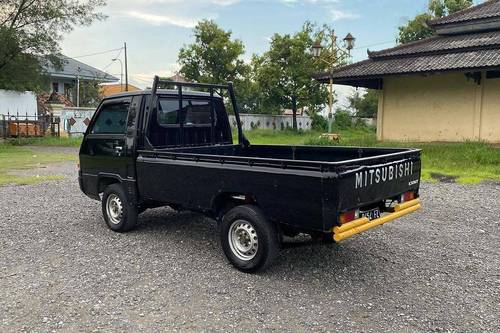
(126, 68)
(78, 87)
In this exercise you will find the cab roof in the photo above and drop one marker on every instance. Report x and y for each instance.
(168, 92)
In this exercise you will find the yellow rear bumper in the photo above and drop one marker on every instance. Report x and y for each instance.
(363, 224)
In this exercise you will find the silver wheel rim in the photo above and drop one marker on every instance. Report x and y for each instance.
(243, 240)
(114, 209)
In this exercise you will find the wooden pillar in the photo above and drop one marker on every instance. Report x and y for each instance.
(380, 114)
(478, 106)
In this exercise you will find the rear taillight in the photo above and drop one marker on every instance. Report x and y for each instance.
(408, 196)
(348, 216)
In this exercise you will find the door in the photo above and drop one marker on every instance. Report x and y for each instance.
(104, 150)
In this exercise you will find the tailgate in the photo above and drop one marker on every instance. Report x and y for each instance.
(376, 180)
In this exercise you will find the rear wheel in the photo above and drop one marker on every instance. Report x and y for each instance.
(250, 242)
(119, 215)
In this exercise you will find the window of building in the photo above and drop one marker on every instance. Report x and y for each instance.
(55, 87)
(68, 90)
(493, 74)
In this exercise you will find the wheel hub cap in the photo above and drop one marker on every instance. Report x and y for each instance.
(114, 208)
(243, 240)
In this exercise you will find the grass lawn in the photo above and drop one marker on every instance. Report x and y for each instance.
(21, 158)
(46, 141)
(465, 162)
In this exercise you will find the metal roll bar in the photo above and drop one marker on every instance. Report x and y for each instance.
(242, 140)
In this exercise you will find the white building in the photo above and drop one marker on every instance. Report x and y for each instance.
(64, 80)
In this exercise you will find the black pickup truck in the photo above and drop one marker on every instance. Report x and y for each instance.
(174, 147)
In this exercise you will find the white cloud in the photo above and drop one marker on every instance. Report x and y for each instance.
(329, 5)
(304, 2)
(146, 79)
(163, 19)
(225, 2)
(180, 13)
(141, 3)
(338, 15)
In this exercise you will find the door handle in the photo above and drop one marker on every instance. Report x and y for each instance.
(118, 150)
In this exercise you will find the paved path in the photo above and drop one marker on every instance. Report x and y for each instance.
(62, 270)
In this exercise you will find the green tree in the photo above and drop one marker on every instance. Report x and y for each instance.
(215, 57)
(30, 35)
(23, 72)
(90, 94)
(365, 105)
(284, 73)
(417, 28)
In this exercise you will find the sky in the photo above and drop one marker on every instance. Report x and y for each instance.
(155, 30)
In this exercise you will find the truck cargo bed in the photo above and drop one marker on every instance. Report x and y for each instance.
(300, 157)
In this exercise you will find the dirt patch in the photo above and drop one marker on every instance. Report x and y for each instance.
(55, 149)
(64, 169)
(444, 178)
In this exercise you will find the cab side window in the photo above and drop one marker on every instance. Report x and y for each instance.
(112, 119)
(193, 112)
(199, 113)
(200, 121)
(168, 111)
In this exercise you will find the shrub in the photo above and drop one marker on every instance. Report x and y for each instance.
(319, 123)
(343, 119)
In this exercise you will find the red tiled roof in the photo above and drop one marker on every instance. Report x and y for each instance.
(111, 89)
(43, 100)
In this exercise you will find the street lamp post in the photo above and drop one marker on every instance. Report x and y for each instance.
(121, 72)
(332, 59)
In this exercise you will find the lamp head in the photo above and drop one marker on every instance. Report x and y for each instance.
(316, 48)
(349, 41)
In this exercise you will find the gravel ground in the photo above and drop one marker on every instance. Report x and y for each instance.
(61, 269)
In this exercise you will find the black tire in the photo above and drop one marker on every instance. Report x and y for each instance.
(248, 220)
(121, 222)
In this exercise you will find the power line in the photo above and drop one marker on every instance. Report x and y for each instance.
(112, 61)
(119, 53)
(376, 44)
(98, 53)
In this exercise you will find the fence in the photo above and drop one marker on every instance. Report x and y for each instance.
(74, 121)
(18, 125)
(267, 121)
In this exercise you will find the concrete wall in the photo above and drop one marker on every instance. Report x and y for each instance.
(265, 121)
(444, 107)
(74, 120)
(18, 102)
(80, 116)
(490, 115)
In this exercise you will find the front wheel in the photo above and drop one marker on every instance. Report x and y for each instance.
(119, 215)
(250, 242)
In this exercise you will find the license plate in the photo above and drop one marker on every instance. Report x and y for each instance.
(370, 214)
